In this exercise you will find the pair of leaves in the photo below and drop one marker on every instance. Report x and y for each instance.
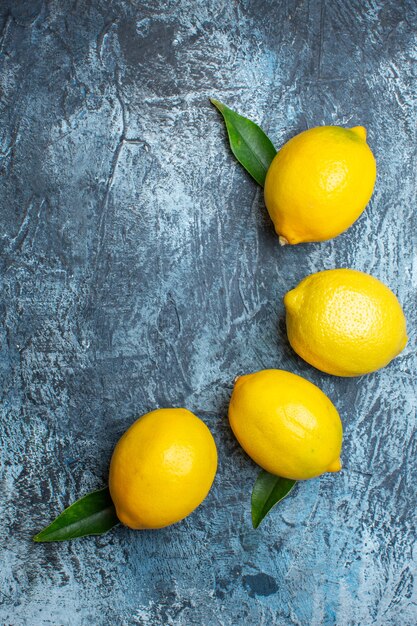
(255, 151)
(94, 514)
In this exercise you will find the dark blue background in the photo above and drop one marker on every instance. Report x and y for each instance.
(140, 269)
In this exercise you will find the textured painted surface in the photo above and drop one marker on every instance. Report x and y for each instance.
(139, 269)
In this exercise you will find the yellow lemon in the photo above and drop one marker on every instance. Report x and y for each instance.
(319, 183)
(345, 322)
(162, 468)
(286, 424)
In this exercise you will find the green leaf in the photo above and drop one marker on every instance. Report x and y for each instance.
(93, 514)
(252, 148)
(267, 491)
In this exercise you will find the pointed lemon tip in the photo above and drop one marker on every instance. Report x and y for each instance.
(292, 300)
(335, 466)
(239, 379)
(282, 240)
(360, 131)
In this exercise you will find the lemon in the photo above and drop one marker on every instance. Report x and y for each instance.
(162, 468)
(319, 183)
(345, 322)
(286, 424)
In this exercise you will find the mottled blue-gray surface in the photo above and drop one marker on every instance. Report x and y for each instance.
(139, 269)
